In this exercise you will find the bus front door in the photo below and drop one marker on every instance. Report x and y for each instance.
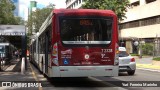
(46, 53)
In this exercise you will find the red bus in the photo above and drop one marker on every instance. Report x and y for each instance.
(77, 43)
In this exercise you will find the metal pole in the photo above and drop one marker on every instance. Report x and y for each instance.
(140, 55)
(23, 65)
(25, 50)
(24, 44)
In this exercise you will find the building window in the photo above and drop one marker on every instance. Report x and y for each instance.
(134, 24)
(158, 19)
(149, 40)
(149, 1)
(142, 22)
(137, 3)
(149, 21)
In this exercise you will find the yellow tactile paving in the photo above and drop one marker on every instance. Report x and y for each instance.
(148, 66)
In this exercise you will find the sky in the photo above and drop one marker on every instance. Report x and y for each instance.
(24, 5)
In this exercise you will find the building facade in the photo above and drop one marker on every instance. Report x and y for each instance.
(142, 23)
(74, 4)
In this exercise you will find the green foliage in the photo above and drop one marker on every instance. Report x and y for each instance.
(156, 59)
(147, 49)
(133, 54)
(118, 6)
(37, 18)
(6, 13)
(19, 21)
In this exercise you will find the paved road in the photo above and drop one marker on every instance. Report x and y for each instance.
(102, 83)
(91, 83)
(140, 75)
(145, 60)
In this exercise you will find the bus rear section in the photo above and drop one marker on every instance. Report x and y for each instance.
(86, 46)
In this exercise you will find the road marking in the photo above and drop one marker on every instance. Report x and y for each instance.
(35, 77)
(10, 68)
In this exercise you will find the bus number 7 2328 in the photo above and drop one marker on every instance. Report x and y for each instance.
(77, 43)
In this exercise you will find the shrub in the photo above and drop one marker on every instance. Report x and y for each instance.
(147, 49)
(156, 58)
(134, 54)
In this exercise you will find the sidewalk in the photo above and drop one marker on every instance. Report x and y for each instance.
(13, 74)
(146, 62)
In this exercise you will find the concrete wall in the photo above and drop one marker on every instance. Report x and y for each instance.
(143, 11)
(149, 31)
(129, 46)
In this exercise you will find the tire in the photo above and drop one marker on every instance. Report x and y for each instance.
(131, 72)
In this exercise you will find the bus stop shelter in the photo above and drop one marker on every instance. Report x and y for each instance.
(14, 34)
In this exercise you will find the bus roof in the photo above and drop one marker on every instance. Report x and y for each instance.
(83, 11)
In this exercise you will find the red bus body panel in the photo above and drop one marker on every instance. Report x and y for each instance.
(78, 56)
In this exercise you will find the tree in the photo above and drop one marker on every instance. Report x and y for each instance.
(19, 21)
(6, 13)
(118, 6)
(37, 18)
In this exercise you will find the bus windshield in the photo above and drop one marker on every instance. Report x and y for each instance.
(86, 30)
